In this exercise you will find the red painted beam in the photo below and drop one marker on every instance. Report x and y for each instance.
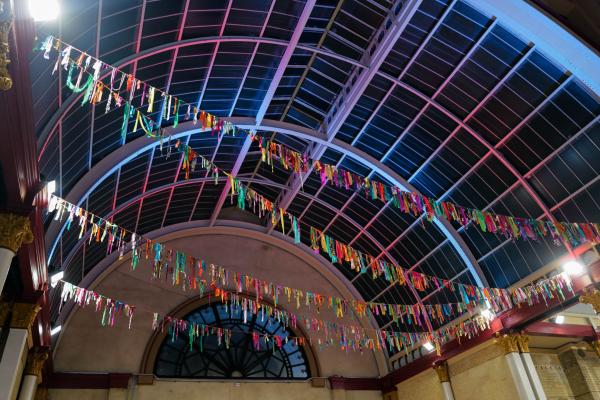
(340, 382)
(72, 380)
(542, 328)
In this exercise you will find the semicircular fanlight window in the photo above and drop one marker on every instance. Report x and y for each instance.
(239, 360)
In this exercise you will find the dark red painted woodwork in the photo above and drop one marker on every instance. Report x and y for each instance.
(71, 380)
(20, 174)
(339, 382)
(542, 328)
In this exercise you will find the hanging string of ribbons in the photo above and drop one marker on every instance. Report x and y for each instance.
(192, 272)
(123, 88)
(324, 333)
(334, 249)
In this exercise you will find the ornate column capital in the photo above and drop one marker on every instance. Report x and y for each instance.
(508, 342)
(442, 371)
(5, 79)
(595, 345)
(522, 343)
(592, 298)
(36, 358)
(14, 231)
(22, 316)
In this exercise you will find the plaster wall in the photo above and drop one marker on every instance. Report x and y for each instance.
(217, 390)
(86, 346)
(424, 386)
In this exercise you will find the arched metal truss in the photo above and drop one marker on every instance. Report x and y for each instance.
(492, 150)
(124, 154)
(364, 69)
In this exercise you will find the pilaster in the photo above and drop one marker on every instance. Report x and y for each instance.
(14, 231)
(592, 298)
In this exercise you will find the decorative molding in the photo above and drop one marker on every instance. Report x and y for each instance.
(14, 229)
(442, 371)
(522, 343)
(592, 298)
(36, 358)
(508, 343)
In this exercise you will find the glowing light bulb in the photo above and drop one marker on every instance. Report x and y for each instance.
(54, 279)
(487, 314)
(51, 187)
(573, 267)
(560, 319)
(428, 346)
(43, 10)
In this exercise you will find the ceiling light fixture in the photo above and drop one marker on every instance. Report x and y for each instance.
(428, 346)
(560, 319)
(488, 314)
(573, 267)
(54, 279)
(55, 330)
(51, 187)
(44, 10)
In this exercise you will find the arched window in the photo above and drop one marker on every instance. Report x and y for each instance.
(241, 360)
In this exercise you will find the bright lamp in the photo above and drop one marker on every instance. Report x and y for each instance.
(573, 267)
(43, 10)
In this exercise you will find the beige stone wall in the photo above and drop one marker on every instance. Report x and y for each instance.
(189, 390)
(552, 375)
(481, 373)
(582, 369)
(424, 386)
(85, 346)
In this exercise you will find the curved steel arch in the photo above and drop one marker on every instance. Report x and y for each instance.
(123, 154)
(66, 106)
(490, 148)
(479, 276)
(241, 229)
(173, 185)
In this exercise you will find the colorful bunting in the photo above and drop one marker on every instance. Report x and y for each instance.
(412, 203)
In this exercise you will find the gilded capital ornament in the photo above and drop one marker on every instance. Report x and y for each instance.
(23, 315)
(5, 79)
(14, 230)
(36, 358)
(442, 371)
(523, 343)
(508, 343)
(595, 345)
(593, 299)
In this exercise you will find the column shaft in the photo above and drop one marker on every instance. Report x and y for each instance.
(534, 378)
(517, 370)
(6, 257)
(28, 387)
(447, 389)
(12, 363)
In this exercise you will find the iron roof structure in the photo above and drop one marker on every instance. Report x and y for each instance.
(436, 96)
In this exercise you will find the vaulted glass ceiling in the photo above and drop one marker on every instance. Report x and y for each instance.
(460, 108)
